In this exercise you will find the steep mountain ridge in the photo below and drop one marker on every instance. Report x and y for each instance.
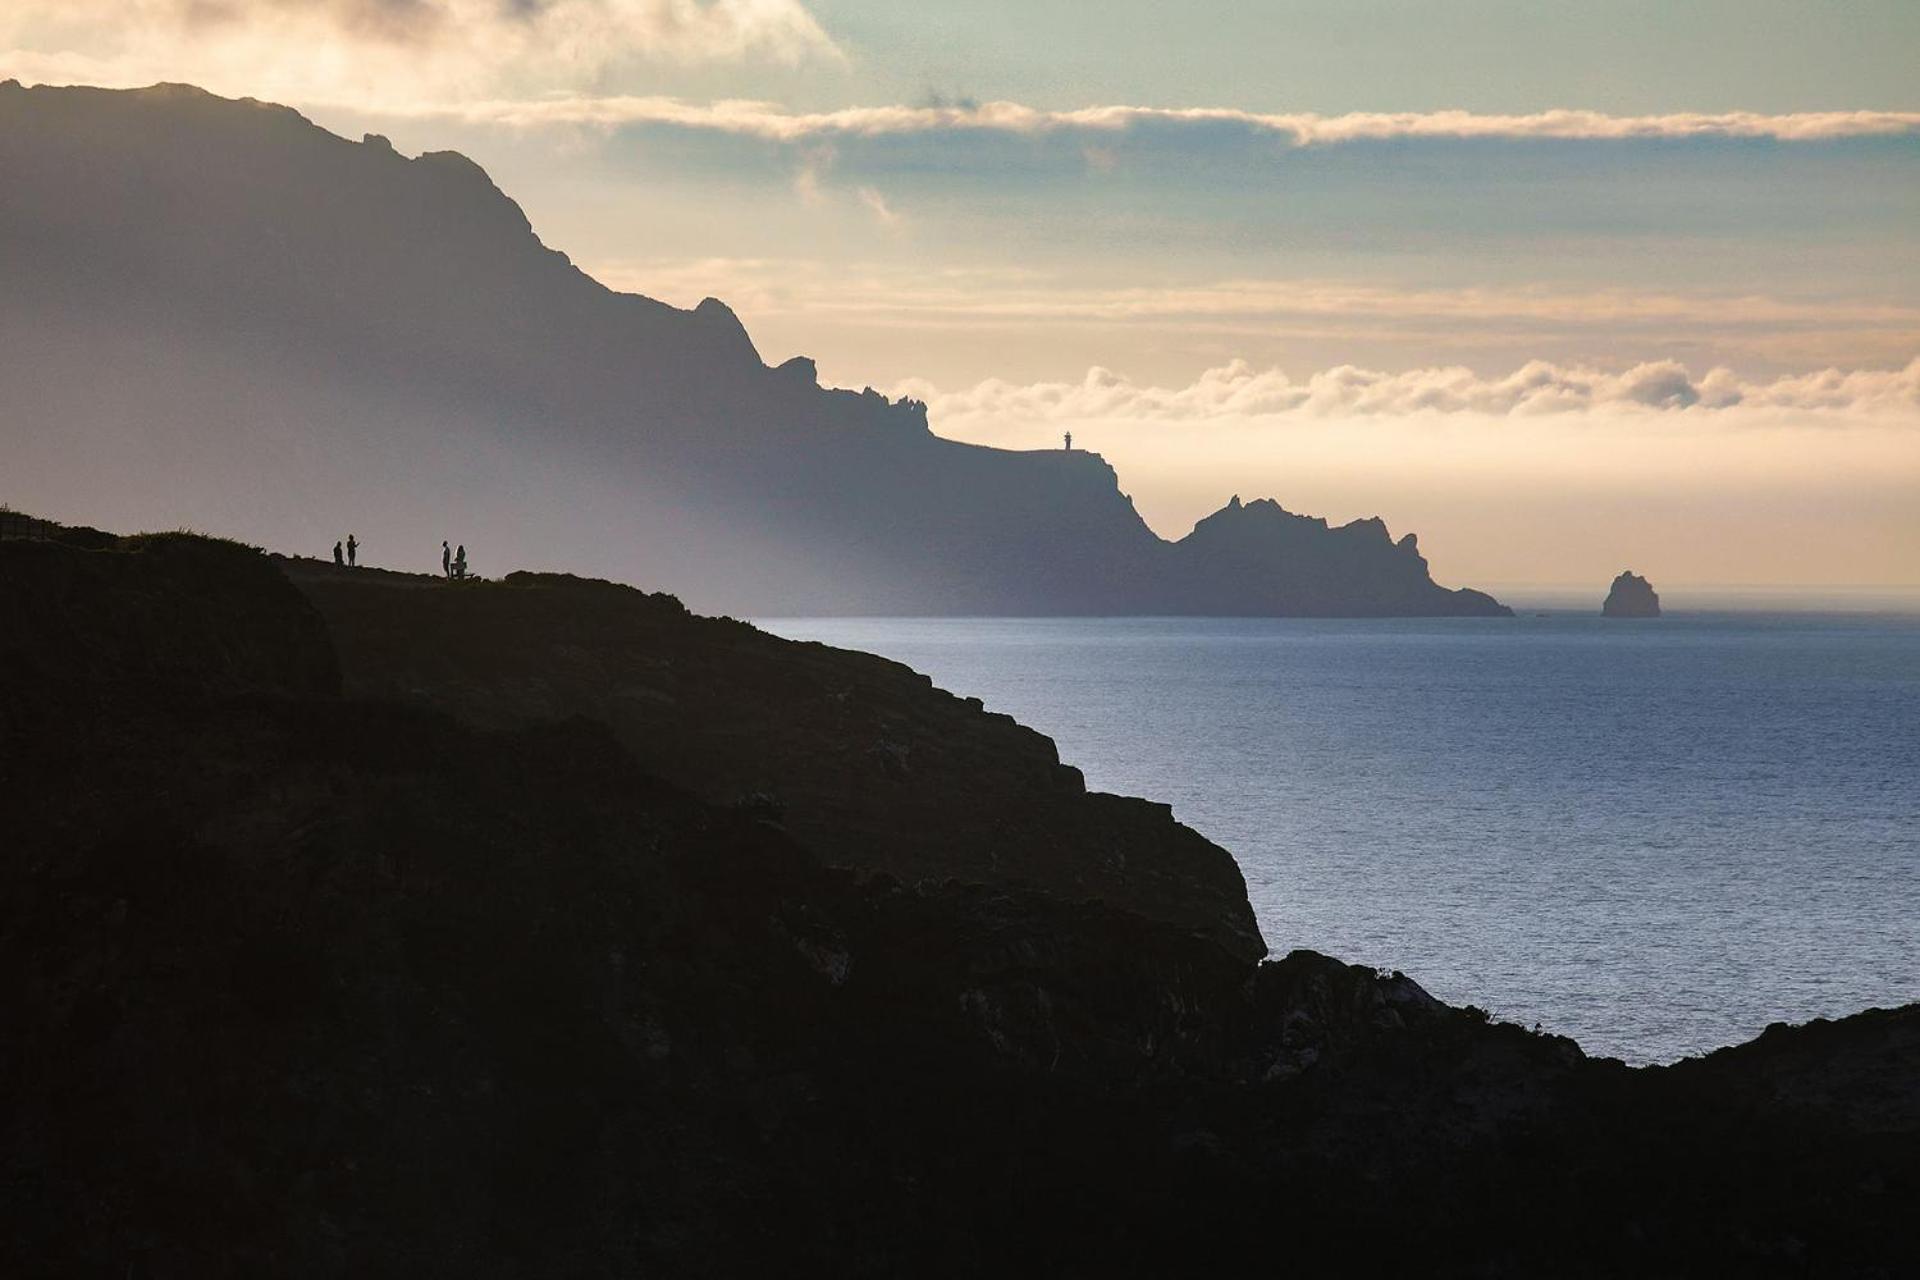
(219, 311)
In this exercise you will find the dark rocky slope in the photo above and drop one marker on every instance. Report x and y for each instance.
(858, 758)
(216, 311)
(310, 973)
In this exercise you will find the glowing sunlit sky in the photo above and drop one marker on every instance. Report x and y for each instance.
(1565, 288)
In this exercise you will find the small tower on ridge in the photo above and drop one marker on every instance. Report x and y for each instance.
(1069, 442)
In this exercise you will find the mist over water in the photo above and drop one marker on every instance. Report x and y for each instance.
(1656, 837)
(1818, 598)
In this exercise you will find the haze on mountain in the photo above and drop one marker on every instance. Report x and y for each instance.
(218, 312)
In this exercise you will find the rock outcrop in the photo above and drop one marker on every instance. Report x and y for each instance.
(1258, 558)
(1631, 596)
(299, 330)
(325, 955)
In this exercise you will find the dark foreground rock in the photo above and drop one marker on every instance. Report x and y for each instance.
(1631, 596)
(310, 971)
(860, 759)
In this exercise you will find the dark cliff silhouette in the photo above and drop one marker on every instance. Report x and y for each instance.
(364, 923)
(1631, 596)
(217, 311)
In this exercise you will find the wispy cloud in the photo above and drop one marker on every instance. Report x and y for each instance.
(1007, 293)
(772, 122)
(814, 163)
(878, 206)
(402, 56)
(300, 48)
(810, 184)
(1456, 323)
(1237, 391)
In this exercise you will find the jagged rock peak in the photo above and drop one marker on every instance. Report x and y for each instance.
(720, 320)
(800, 369)
(1631, 596)
(720, 315)
(1372, 525)
(1250, 516)
(1258, 506)
(461, 163)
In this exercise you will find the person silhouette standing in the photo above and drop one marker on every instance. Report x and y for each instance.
(460, 562)
(446, 559)
(353, 550)
(338, 559)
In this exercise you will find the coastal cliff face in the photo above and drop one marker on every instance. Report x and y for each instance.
(216, 311)
(1631, 596)
(860, 759)
(334, 949)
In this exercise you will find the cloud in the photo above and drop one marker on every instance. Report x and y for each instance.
(1005, 294)
(1238, 391)
(814, 163)
(403, 56)
(877, 203)
(771, 122)
(1477, 324)
(810, 185)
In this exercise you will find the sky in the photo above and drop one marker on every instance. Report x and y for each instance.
(1565, 288)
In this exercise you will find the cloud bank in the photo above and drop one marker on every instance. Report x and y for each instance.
(532, 63)
(1238, 391)
(771, 122)
(913, 293)
(878, 309)
(399, 55)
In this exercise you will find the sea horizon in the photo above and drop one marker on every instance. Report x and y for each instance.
(1558, 599)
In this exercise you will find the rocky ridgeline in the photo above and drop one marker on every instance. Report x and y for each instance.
(366, 924)
(174, 261)
(1257, 558)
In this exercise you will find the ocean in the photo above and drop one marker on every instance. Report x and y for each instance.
(1655, 837)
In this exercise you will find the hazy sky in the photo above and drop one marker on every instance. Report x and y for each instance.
(1563, 287)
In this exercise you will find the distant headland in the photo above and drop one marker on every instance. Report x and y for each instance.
(225, 313)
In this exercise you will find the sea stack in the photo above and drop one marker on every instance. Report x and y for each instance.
(1632, 596)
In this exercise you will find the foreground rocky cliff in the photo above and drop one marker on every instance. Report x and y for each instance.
(857, 758)
(356, 924)
(216, 311)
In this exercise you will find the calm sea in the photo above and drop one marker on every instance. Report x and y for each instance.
(1656, 837)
